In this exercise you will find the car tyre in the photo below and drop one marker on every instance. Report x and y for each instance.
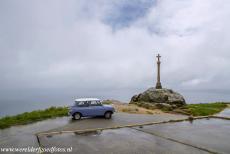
(108, 115)
(77, 116)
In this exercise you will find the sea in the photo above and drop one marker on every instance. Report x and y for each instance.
(13, 106)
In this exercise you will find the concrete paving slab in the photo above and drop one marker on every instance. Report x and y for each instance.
(23, 135)
(212, 134)
(122, 141)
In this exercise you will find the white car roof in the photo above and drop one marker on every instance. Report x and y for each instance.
(86, 99)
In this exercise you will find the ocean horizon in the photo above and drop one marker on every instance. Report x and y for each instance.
(10, 107)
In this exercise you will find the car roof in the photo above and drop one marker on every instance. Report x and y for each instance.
(86, 99)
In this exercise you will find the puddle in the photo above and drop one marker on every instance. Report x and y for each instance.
(90, 133)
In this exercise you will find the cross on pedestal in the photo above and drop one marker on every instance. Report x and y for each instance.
(158, 85)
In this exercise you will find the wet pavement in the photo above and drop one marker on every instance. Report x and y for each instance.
(200, 136)
(118, 141)
(23, 136)
(118, 119)
(212, 134)
(225, 113)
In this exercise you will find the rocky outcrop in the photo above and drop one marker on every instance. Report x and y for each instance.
(160, 97)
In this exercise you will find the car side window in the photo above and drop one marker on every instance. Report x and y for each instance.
(82, 104)
(95, 103)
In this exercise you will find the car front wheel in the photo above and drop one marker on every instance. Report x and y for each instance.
(77, 116)
(108, 115)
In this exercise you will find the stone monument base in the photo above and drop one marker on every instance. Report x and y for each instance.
(158, 85)
(160, 97)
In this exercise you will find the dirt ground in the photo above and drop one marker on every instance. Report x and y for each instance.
(131, 108)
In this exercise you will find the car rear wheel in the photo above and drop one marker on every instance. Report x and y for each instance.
(108, 115)
(77, 116)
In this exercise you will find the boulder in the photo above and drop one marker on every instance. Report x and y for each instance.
(164, 106)
(159, 96)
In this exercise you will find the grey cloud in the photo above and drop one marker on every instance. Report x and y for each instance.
(65, 48)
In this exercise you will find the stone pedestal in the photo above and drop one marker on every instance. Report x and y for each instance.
(158, 85)
(164, 95)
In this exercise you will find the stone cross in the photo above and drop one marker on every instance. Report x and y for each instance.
(158, 85)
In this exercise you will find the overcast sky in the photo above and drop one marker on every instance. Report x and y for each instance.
(54, 49)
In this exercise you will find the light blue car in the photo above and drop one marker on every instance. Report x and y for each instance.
(90, 107)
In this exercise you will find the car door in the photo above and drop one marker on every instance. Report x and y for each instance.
(83, 108)
(96, 108)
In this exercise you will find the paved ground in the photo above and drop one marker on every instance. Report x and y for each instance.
(200, 136)
(118, 119)
(225, 113)
(118, 141)
(212, 134)
(23, 136)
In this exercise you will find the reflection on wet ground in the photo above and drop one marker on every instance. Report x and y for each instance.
(212, 134)
(23, 135)
(200, 136)
(225, 113)
(122, 141)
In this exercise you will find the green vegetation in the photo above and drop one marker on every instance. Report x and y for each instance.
(203, 109)
(189, 109)
(30, 117)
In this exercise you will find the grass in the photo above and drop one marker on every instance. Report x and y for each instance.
(30, 117)
(190, 109)
(203, 109)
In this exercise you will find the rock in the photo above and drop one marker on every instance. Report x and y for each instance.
(135, 98)
(162, 96)
(164, 106)
(174, 106)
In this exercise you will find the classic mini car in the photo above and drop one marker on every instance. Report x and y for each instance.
(90, 107)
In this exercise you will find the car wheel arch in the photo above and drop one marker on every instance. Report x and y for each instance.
(77, 112)
(108, 111)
